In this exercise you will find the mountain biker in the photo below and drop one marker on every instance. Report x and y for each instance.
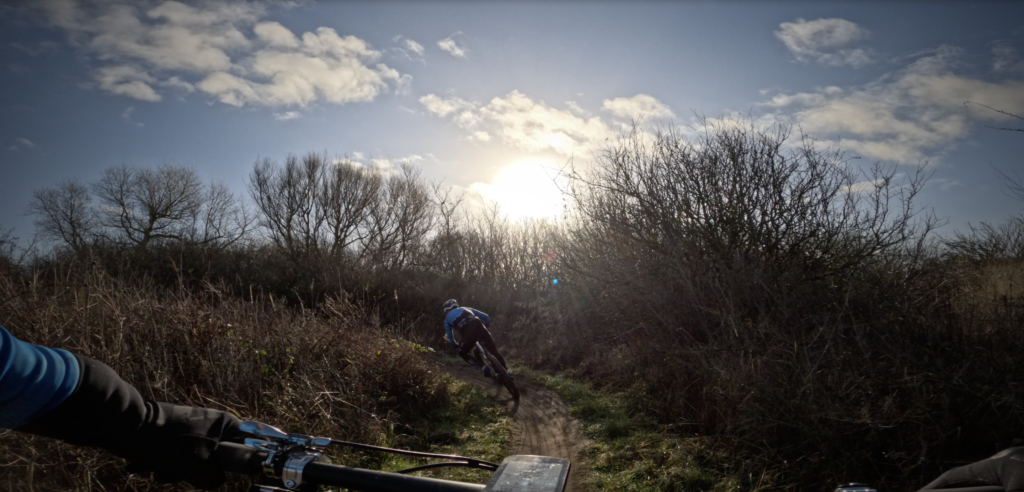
(472, 327)
(55, 393)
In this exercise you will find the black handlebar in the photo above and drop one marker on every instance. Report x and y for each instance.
(378, 481)
(241, 459)
(980, 488)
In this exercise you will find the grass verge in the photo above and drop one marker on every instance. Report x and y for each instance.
(472, 424)
(629, 451)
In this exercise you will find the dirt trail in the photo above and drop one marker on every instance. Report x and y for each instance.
(543, 425)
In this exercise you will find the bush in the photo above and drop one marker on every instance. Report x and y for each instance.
(782, 303)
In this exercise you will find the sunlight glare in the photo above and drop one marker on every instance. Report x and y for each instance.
(526, 189)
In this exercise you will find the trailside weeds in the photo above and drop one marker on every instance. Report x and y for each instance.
(629, 451)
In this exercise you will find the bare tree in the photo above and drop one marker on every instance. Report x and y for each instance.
(168, 203)
(447, 243)
(739, 195)
(1000, 112)
(349, 195)
(399, 220)
(65, 212)
(223, 219)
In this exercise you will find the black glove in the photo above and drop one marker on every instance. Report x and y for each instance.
(173, 441)
(1005, 468)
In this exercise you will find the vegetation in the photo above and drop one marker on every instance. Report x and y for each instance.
(775, 316)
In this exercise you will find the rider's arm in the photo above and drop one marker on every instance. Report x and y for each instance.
(1004, 469)
(103, 410)
(33, 379)
(449, 319)
(483, 317)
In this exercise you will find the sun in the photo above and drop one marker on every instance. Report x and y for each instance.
(527, 189)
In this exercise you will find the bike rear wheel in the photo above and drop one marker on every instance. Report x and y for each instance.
(502, 374)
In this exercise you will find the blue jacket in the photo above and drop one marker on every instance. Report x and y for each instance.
(33, 379)
(455, 313)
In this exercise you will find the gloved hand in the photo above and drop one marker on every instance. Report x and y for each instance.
(1005, 468)
(173, 441)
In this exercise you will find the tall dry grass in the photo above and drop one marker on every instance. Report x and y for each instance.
(330, 371)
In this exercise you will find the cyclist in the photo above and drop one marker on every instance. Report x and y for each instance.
(472, 327)
(54, 393)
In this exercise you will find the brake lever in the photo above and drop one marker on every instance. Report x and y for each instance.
(287, 452)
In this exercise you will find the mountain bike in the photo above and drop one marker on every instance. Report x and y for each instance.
(296, 462)
(498, 371)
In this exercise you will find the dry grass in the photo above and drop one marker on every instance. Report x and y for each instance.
(325, 372)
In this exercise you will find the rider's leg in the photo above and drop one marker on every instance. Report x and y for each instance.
(464, 348)
(488, 343)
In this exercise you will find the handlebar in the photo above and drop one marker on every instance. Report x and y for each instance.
(295, 460)
(238, 458)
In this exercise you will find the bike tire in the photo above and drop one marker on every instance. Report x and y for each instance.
(502, 374)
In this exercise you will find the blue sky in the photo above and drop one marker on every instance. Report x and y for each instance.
(488, 95)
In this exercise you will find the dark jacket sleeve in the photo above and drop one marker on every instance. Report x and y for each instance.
(103, 411)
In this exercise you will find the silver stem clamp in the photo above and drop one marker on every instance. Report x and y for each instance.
(295, 450)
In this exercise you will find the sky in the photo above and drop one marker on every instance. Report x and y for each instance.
(494, 97)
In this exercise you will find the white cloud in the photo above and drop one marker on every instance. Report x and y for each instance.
(288, 115)
(127, 80)
(408, 48)
(825, 41)
(640, 105)
(448, 44)
(127, 115)
(413, 46)
(142, 46)
(443, 107)
(576, 109)
(325, 65)
(945, 184)
(864, 187)
(178, 83)
(276, 35)
(911, 115)
(522, 122)
(403, 86)
(24, 142)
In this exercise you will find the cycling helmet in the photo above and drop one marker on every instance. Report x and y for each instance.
(450, 304)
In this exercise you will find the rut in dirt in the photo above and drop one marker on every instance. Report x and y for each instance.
(543, 426)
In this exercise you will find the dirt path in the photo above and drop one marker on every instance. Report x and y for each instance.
(543, 425)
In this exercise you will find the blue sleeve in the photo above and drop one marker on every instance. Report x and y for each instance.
(33, 379)
(483, 317)
(448, 320)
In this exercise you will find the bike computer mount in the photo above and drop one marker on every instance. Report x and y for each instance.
(530, 474)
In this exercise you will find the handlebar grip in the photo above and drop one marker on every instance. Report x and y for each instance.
(239, 458)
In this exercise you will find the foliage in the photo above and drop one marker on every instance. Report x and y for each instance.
(756, 296)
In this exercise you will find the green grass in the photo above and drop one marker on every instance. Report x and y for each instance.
(474, 424)
(629, 451)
